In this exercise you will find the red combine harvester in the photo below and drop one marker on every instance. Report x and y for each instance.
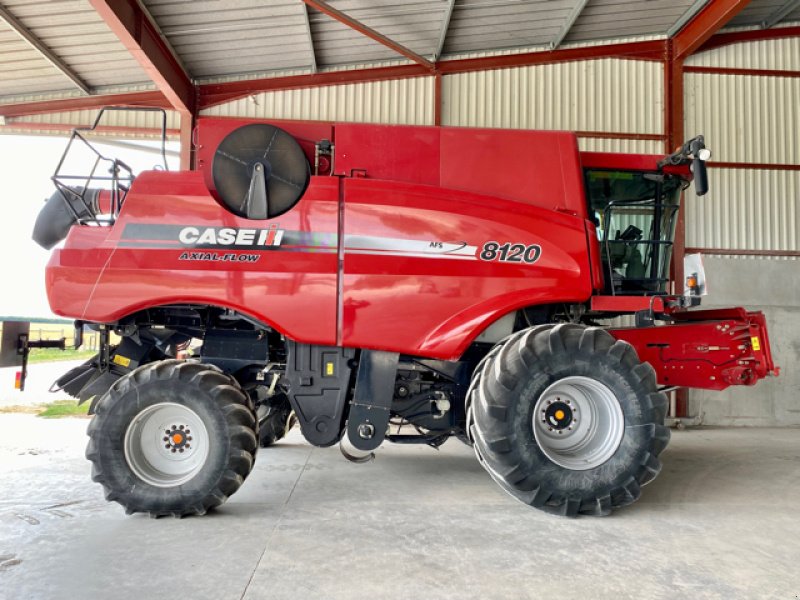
(377, 283)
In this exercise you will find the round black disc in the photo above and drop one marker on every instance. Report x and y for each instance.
(558, 415)
(286, 169)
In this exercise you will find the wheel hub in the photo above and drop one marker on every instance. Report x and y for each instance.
(578, 423)
(178, 438)
(166, 444)
(558, 415)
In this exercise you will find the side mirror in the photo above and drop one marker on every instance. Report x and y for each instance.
(700, 176)
(701, 154)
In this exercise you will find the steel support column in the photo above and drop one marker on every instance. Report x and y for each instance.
(437, 99)
(673, 127)
(187, 156)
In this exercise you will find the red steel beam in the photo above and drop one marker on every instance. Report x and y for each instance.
(754, 166)
(151, 98)
(437, 99)
(616, 135)
(134, 28)
(217, 93)
(325, 8)
(732, 252)
(67, 128)
(705, 24)
(747, 72)
(187, 156)
(653, 51)
(753, 35)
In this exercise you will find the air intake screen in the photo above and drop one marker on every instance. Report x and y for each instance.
(286, 170)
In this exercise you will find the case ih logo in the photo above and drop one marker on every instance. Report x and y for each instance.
(230, 236)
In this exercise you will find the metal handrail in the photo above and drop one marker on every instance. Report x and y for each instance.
(120, 175)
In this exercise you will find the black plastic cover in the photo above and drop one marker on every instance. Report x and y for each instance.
(55, 219)
(319, 385)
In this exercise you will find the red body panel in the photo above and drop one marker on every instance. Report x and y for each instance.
(541, 168)
(401, 288)
(102, 275)
(424, 237)
(433, 303)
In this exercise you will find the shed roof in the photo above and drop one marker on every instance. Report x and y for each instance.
(72, 49)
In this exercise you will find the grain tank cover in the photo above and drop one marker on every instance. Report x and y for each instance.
(541, 168)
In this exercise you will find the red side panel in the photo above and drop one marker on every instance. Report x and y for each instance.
(103, 274)
(396, 152)
(536, 167)
(417, 279)
(541, 168)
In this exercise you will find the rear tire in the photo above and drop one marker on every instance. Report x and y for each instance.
(172, 438)
(592, 389)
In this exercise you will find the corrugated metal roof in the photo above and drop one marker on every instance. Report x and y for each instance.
(759, 10)
(218, 40)
(76, 34)
(415, 25)
(215, 38)
(479, 25)
(23, 69)
(604, 19)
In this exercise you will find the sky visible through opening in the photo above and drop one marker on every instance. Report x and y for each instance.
(26, 165)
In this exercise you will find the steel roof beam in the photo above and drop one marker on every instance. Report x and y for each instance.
(750, 35)
(150, 98)
(216, 93)
(448, 14)
(310, 37)
(42, 49)
(780, 14)
(137, 32)
(573, 15)
(325, 8)
(710, 19)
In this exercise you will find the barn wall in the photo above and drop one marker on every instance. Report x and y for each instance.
(398, 102)
(751, 119)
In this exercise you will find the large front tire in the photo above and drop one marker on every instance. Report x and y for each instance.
(568, 420)
(172, 438)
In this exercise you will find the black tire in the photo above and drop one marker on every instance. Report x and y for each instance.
(225, 411)
(500, 419)
(275, 422)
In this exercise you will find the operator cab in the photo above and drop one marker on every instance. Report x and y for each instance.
(635, 214)
(635, 209)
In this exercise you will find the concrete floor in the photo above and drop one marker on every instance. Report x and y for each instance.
(720, 522)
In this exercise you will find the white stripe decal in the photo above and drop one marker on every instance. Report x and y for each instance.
(411, 254)
(398, 247)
